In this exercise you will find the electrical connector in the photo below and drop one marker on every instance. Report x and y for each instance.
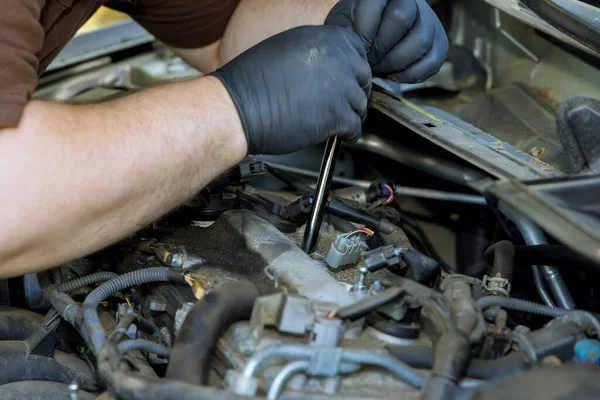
(383, 257)
(250, 169)
(345, 250)
(378, 189)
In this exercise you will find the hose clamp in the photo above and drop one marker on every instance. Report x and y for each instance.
(497, 285)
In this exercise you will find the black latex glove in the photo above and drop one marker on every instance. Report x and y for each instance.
(404, 39)
(300, 87)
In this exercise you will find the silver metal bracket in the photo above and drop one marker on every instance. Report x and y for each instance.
(498, 285)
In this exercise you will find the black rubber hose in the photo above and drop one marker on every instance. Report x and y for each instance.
(208, 319)
(18, 365)
(18, 324)
(471, 244)
(450, 361)
(341, 224)
(422, 357)
(340, 209)
(289, 180)
(145, 346)
(130, 279)
(423, 269)
(423, 239)
(365, 306)
(86, 280)
(502, 256)
(521, 305)
(553, 255)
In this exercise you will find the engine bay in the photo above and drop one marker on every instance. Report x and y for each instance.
(457, 258)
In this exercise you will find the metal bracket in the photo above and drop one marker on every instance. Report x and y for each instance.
(495, 284)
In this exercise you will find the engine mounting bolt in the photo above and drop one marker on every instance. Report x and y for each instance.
(361, 286)
(362, 277)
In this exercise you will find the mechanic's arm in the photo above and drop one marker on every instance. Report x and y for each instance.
(252, 22)
(76, 178)
(404, 39)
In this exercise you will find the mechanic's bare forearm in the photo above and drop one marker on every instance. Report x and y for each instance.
(256, 20)
(76, 178)
(253, 22)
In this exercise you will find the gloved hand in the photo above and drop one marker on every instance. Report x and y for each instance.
(404, 39)
(300, 87)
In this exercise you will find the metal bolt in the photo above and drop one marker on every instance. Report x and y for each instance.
(362, 277)
(173, 259)
(361, 287)
(176, 260)
(74, 391)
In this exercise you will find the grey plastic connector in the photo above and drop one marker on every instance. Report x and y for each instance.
(250, 169)
(240, 384)
(345, 250)
(326, 332)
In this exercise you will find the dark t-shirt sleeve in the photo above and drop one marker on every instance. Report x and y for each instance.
(21, 39)
(185, 24)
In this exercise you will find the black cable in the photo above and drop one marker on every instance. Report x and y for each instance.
(521, 305)
(367, 305)
(341, 224)
(344, 210)
(288, 179)
(134, 278)
(86, 280)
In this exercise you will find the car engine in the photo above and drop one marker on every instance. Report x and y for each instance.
(457, 258)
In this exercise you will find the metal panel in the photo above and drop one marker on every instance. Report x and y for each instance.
(101, 42)
(513, 8)
(479, 148)
(573, 220)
